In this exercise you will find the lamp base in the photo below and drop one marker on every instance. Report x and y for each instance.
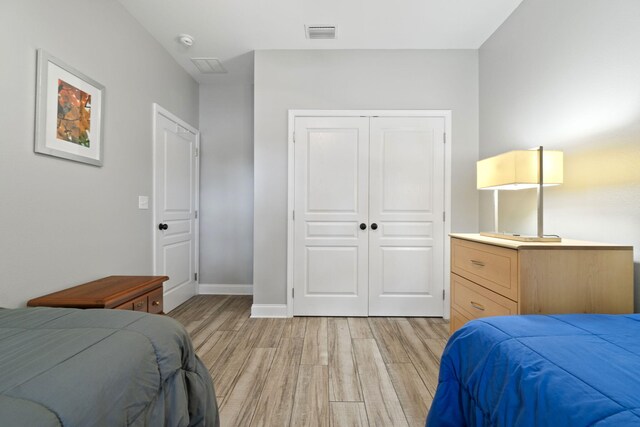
(520, 238)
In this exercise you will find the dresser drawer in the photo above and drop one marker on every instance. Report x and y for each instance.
(491, 266)
(140, 303)
(474, 301)
(457, 321)
(154, 301)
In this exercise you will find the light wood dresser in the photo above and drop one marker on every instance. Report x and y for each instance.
(497, 277)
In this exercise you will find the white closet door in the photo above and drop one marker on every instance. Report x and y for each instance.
(331, 201)
(406, 251)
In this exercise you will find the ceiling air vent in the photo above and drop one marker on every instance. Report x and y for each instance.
(320, 31)
(208, 65)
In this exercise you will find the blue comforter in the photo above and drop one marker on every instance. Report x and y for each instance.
(561, 370)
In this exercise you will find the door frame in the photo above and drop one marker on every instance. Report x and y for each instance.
(293, 114)
(159, 110)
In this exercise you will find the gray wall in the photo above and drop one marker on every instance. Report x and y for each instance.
(226, 184)
(61, 222)
(352, 79)
(565, 74)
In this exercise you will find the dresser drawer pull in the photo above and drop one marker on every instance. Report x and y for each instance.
(155, 303)
(477, 306)
(139, 304)
(478, 263)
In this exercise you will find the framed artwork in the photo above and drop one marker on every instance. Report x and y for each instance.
(69, 112)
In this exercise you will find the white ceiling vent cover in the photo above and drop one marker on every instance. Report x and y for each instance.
(320, 31)
(208, 65)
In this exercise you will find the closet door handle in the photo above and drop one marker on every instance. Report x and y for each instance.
(363, 226)
(374, 226)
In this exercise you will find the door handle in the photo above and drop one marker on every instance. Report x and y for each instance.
(374, 226)
(162, 226)
(363, 226)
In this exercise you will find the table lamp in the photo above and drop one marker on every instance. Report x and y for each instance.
(518, 170)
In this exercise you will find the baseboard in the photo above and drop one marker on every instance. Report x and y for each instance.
(269, 310)
(208, 289)
(178, 295)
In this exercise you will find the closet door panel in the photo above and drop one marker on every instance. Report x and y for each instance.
(406, 205)
(331, 201)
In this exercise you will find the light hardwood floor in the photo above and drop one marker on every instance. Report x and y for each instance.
(315, 371)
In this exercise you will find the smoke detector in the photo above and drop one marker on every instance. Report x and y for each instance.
(320, 31)
(185, 40)
(208, 65)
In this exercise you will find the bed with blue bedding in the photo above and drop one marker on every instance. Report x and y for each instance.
(555, 370)
(69, 367)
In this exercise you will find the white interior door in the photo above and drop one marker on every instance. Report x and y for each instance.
(406, 204)
(331, 201)
(175, 203)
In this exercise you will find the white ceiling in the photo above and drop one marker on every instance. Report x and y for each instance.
(231, 29)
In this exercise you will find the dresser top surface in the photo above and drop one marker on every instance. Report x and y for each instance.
(513, 244)
(106, 292)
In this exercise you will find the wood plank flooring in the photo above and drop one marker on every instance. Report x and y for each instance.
(315, 371)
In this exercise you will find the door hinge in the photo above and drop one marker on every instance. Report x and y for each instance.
(444, 216)
(443, 294)
(444, 138)
(294, 215)
(293, 292)
(197, 152)
(195, 276)
(294, 137)
(196, 214)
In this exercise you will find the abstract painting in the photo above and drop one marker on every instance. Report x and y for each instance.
(74, 114)
(69, 117)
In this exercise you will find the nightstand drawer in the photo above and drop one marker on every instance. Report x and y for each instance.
(491, 266)
(474, 301)
(140, 304)
(155, 301)
(126, 306)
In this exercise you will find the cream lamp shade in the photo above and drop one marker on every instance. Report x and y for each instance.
(517, 170)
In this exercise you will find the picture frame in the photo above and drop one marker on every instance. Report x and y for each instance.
(69, 112)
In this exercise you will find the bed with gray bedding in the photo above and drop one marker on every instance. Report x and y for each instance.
(68, 367)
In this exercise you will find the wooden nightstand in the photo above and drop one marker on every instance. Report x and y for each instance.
(140, 293)
(495, 277)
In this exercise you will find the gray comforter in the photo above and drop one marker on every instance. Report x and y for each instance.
(66, 367)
